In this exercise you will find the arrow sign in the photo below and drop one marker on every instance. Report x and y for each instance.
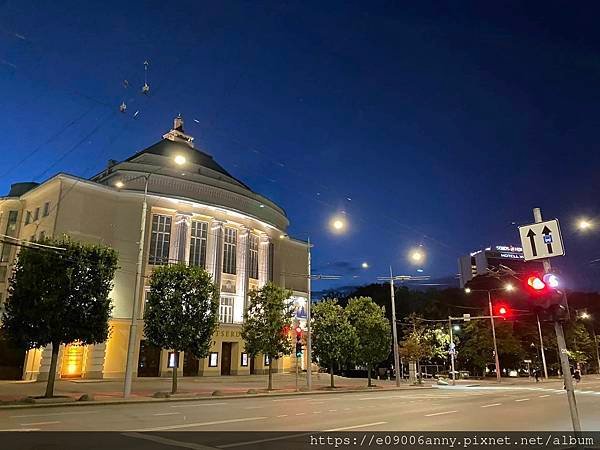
(541, 240)
(547, 233)
(531, 235)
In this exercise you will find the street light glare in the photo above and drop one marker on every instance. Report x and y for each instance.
(417, 256)
(338, 224)
(119, 184)
(180, 160)
(584, 224)
(585, 315)
(365, 265)
(509, 287)
(456, 328)
(467, 290)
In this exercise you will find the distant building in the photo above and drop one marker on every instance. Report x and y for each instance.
(198, 214)
(478, 262)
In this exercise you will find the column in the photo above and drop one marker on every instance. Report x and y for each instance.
(241, 285)
(264, 260)
(45, 362)
(214, 251)
(94, 361)
(180, 248)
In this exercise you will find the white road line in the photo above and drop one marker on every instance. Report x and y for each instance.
(316, 412)
(197, 405)
(38, 423)
(332, 410)
(440, 413)
(493, 404)
(282, 415)
(522, 400)
(542, 396)
(300, 414)
(346, 409)
(364, 425)
(22, 429)
(253, 407)
(54, 414)
(202, 424)
(166, 414)
(168, 442)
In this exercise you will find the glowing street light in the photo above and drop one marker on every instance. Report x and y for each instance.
(509, 287)
(417, 256)
(456, 327)
(119, 184)
(584, 224)
(467, 290)
(585, 315)
(365, 265)
(180, 160)
(338, 224)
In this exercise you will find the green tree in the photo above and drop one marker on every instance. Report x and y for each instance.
(182, 308)
(334, 339)
(60, 296)
(268, 316)
(373, 330)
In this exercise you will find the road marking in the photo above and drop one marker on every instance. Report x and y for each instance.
(346, 409)
(38, 423)
(169, 442)
(253, 407)
(440, 413)
(196, 405)
(22, 429)
(316, 402)
(316, 412)
(166, 414)
(542, 396)
(333, 410)
(282, 415)
(202, 424)
(364, 425)
(522, 400)
(54, 414)
(258, 441)
(493, 404)
(300, 414)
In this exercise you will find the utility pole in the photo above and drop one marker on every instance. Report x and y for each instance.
(308, 334)
(562, 348)
(394, 330)
(542, 347)
(497, 358)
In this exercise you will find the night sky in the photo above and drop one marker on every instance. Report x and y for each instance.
(438, 124)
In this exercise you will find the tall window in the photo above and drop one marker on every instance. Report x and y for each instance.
(11, 230)
(226, 310)
(36, 215)
(46, 209)
(253, 267)
(198, 243)
(229, 250)
(160, 239)
(27, 217)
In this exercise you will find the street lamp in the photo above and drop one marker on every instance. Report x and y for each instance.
(178, 160)
(507, 287)
(584, 224)
(338, 224)
(365, 265)
(416, 256)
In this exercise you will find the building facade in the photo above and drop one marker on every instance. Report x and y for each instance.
(197, 214)
(481, 261)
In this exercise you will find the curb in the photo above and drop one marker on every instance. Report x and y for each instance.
(207, 399)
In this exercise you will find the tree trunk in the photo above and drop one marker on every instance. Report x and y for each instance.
(369, 374)
(270, 388)
(52, 373)
(174, 386)
(332, 384)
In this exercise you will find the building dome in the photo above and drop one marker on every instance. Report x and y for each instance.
(199, 179)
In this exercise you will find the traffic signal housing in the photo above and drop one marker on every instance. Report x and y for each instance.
(545, 297)
(298, 342)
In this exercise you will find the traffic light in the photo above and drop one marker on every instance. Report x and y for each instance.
(502, 311)
(544, 294)
(298, 342)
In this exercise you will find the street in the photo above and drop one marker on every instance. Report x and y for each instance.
(503, 408)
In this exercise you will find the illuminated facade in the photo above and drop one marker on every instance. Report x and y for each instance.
(197, 214)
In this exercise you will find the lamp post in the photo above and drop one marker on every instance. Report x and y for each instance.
(508, 287)
(179, 160)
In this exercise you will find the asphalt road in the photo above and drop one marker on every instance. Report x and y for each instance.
(506, 408)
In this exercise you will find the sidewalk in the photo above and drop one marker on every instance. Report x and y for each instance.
(12, 392)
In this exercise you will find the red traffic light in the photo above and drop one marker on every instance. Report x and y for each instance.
(536, 283)
(502, 311)
(298, 331)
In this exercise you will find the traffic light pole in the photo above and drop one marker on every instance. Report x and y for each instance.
(537, 316)
(497, 358)
(562, 348)
(452, 351)
(395, 331)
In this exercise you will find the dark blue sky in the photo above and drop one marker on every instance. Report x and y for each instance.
(438, 124)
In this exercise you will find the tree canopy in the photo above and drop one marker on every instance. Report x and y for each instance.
(60, 297)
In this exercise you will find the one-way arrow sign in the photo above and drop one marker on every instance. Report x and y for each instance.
(541, 240)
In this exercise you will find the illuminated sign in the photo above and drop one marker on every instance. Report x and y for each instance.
(509, 248)
(511, 256)
(244, 361)
(173, 360)
(213, 359)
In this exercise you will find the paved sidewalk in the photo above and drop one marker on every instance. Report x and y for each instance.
(145, 388)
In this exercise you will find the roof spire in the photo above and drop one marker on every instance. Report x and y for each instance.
(177, 134)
